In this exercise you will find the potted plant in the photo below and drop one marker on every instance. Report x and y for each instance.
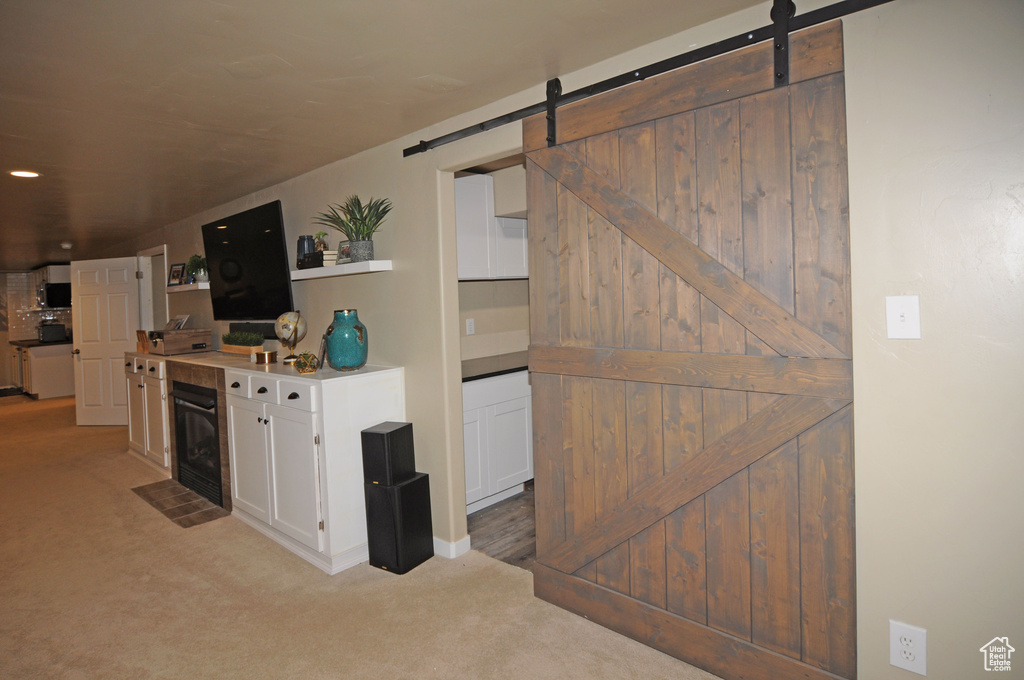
(358, 221)
(196, 269)
(242, 342)
(320, 240)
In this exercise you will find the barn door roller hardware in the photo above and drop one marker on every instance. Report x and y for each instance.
(784, 21)
(782, 10)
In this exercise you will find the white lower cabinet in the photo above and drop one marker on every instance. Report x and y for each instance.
(275, 467)
(296, 455)
(497, 422)
(158, 441)
(136, 412)
(148, 421)
(250, 466)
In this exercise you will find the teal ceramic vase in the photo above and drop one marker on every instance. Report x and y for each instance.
(347, 341)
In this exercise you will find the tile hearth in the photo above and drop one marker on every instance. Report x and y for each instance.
(182, 506)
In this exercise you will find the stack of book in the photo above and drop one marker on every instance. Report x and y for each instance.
(330, 257)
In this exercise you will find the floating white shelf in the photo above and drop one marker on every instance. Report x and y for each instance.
(185, 287)
(342, 270)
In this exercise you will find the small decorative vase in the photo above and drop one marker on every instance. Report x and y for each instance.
(305, 246)
(347, 341)
(202, 276)
(361, 251)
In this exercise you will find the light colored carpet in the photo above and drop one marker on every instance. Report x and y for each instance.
(95, 583)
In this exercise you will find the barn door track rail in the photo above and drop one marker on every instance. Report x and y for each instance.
(784, 21)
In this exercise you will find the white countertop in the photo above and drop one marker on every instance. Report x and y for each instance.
(241, 362)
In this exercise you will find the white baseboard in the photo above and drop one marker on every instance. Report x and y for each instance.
(451, 550)
(332, 565)
(495, 498)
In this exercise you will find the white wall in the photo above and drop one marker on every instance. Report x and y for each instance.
(935, 106)
(935, 99)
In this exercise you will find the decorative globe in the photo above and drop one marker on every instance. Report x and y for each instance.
(290, 328)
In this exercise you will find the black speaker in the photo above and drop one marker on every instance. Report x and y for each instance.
(398, 527)
(388, 456)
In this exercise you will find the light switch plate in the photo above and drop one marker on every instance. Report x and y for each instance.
(470, 326)
(903, 317)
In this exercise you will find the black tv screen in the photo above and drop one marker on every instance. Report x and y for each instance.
(250, 278)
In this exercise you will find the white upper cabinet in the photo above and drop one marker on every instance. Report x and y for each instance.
(490, 247)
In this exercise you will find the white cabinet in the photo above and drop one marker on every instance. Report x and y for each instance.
(489, 247)
(57, 273)
(158, 441)
(48, 371)
(136, 413)
(16, 366)
(26, 372)
(497, 426)
(293, 447)
(296, 454)
(250, 469)
(148, 420)
(275, 464)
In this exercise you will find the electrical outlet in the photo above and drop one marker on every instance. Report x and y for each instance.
(908, 647)
(470, 326)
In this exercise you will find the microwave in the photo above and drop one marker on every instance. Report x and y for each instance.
(58, 295)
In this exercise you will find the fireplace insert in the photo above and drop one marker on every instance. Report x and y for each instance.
(198, 440)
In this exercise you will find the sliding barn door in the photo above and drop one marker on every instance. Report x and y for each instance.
(690, 358)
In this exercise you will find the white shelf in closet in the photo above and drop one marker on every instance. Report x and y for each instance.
(342, 270)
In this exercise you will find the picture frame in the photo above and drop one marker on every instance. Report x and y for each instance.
(323, 352)
(344, 252)
(176, 323)
(176, 274)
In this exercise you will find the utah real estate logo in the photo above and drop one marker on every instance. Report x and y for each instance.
(997, 654)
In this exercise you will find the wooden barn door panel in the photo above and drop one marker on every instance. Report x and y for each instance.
(690, 363)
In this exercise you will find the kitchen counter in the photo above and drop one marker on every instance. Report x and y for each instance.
(36, 343)
(488, 367)
(243, 362)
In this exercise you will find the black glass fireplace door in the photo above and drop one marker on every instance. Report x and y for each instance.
(198, 440)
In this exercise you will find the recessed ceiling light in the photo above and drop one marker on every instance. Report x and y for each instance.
(24, 173)
(66, 245)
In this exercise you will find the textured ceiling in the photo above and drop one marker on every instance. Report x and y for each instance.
(139, 113)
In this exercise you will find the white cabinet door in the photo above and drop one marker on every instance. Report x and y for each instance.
(247, 445)
(474, 437)
(157, 439)
(136, 412)
(510, 245)
(510, 437)
(294, 480)
(475, 226)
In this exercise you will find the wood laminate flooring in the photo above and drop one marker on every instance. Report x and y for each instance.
(507, 531)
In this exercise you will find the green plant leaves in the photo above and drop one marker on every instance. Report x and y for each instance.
(358, 221)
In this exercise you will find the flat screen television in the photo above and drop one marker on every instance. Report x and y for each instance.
(250, 277)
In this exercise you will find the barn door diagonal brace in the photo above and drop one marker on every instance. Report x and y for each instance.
(784, 21)
(782, 10)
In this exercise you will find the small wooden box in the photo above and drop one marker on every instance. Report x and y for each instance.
(185, 341)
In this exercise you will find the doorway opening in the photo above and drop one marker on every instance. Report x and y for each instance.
(494, 334)
(152, 288)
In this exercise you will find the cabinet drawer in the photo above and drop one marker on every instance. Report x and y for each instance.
(129, 364)
(298, 395)
(237, 383)
(155, 368)
(140, 365)
(263, 388)
(490, 391)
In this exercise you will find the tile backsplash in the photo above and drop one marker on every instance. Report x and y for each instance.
(23, 315)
